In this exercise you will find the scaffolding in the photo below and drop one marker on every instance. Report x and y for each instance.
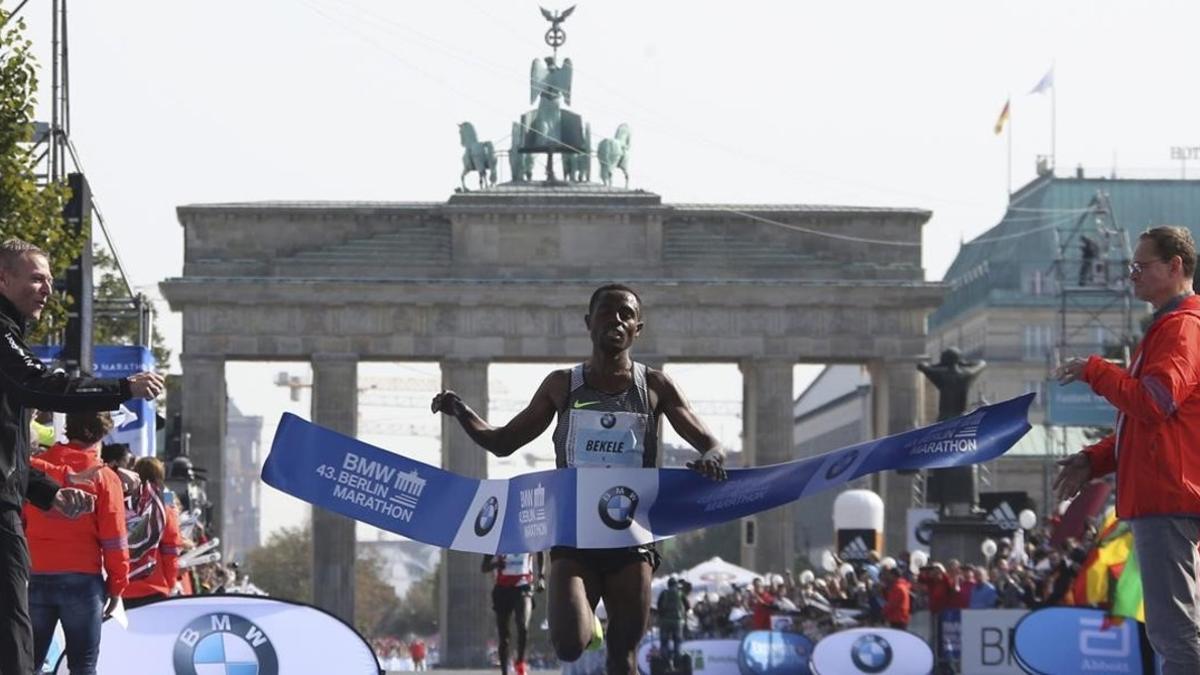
(1095, 297)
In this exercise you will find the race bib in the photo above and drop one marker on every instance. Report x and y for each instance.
(607, 439)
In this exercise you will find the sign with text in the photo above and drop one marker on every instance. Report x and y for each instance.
(1076, 641)
(596, 507)
(199, 634)
(1185, 152)
(919, 524)
(711, 657)
(877, 651)
(765, 652)
(134, 422)
(987, 641)
(950, 635)
(1076, 405)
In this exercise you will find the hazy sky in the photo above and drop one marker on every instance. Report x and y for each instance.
(882, 103)
(853, 102)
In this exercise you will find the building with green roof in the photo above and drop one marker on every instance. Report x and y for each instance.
(1022, 293)
(1005, 288)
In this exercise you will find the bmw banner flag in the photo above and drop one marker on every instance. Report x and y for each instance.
(134, 421)
(596, 507)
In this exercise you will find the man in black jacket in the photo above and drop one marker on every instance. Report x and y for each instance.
(25, 383)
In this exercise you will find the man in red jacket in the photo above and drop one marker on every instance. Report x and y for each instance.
(67, 555)
(938, 587)
(897, 606)
(1155, 449)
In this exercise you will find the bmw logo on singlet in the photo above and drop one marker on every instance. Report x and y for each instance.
(618, 506)
(224, 644)
(871, 653)
(486, 519)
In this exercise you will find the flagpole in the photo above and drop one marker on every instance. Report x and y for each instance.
(1053, 120)
(1010, 135)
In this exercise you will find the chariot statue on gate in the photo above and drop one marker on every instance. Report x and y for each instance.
(550, 129)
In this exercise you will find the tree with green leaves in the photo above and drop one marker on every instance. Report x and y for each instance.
(30, 211)
(119, 329)
(283, 568)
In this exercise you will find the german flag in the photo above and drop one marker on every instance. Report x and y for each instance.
(1003, 119)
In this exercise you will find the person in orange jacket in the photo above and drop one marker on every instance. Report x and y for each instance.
(67, 555)
(897, 606)
(157, 580)
(1155, 449)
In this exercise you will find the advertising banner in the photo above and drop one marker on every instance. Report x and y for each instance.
(950, 631)
(987, 641)
(204, 634)
(857, 545)
(765, 652)
(1076, 641)
(876, 651)
(919, 523)
(711, 657)
(134, 422)
(595, 507)
(1076, 405)
(1003, 508)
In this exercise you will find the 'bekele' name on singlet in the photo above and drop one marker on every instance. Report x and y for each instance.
(596, 507)
(606, 446)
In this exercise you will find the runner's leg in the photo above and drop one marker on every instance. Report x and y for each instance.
(574, 592)
(503, 606)
(522, 612)
(627, 599)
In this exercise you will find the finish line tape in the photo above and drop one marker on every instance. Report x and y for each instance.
(595, 507)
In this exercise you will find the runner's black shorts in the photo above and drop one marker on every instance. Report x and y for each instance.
(606, 561)
(507, 599)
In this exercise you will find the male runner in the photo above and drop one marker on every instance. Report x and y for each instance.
(608, 410)
(513, 596)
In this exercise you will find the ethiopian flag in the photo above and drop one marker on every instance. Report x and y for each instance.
(1104, 564)
(1127, 601)
(1003, 119)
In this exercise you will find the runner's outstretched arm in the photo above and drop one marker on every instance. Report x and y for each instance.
(675, 407)
(526, 426)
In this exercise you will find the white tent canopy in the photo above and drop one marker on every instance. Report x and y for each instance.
(717, 575)
(711, 576)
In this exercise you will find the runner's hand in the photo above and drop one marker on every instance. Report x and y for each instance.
(448, 403)
(72, 502)
(110, 605)
(711, 464)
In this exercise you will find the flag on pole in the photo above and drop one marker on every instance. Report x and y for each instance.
(1127, 601)
(1104, 564)
(1047, 82)
(1003, 119)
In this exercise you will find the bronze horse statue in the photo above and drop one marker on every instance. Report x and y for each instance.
(613, 153)
(577, 166)
(520, 164)
(479, 157)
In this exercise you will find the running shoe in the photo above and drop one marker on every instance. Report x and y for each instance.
(597, 634)
(519, 668)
